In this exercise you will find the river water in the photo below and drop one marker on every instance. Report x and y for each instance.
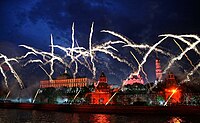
(33, 116)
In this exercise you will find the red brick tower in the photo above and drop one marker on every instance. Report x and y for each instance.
(102, 93)
(158, 70)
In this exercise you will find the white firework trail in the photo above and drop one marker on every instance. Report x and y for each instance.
(77, 53)
(7, 95)
(27, 54)
(174, 91)
(148, 53)
(106, 48)
(81, 52)
(117, 35)
(187, 58)
(182, 38)
(134, 45)
(141, 46)
(90, 51)
(52, 54)
(185, 53)
(7, 61)
(179, 57)
(75, 96)
(33, 51)
(195, 69)
(48, 58)
(50, 77)
(80, 55)
(146, 77)
(39, 61)
(72, 54)
(121, 37)
(191, 73)
(72, 37)
(145, 46)
(154, 47)
(35, 96)
(5, 77)
(111, 98)
(34, 61)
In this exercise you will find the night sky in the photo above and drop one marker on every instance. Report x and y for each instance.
(31, 22)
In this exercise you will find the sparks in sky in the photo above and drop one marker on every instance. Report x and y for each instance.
(154, 48)
(77, 55)
(190, 47)
(7, 61)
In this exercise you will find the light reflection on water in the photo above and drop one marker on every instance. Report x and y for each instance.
(32, 116)
(176, 120)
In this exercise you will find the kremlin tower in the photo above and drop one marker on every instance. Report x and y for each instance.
(102, 92)
(102, 85)
(102, 78)
(158, 70)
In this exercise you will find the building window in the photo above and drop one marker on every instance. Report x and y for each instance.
(101, 100)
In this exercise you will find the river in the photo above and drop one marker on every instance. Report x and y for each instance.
(34, 116)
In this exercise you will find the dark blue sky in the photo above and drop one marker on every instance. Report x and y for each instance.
(32, 21)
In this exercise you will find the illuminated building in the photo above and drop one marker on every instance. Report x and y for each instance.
(172, 92)
(133, 91)
(66, 81)
(133, 78)
(132, 95)
(102, 92)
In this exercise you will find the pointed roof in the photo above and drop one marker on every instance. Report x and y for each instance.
(157, 59)
(102, 74)
(65, 75)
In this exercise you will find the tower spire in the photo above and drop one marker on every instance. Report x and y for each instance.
(156, 54)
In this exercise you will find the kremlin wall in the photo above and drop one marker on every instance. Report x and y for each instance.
(164, 91)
